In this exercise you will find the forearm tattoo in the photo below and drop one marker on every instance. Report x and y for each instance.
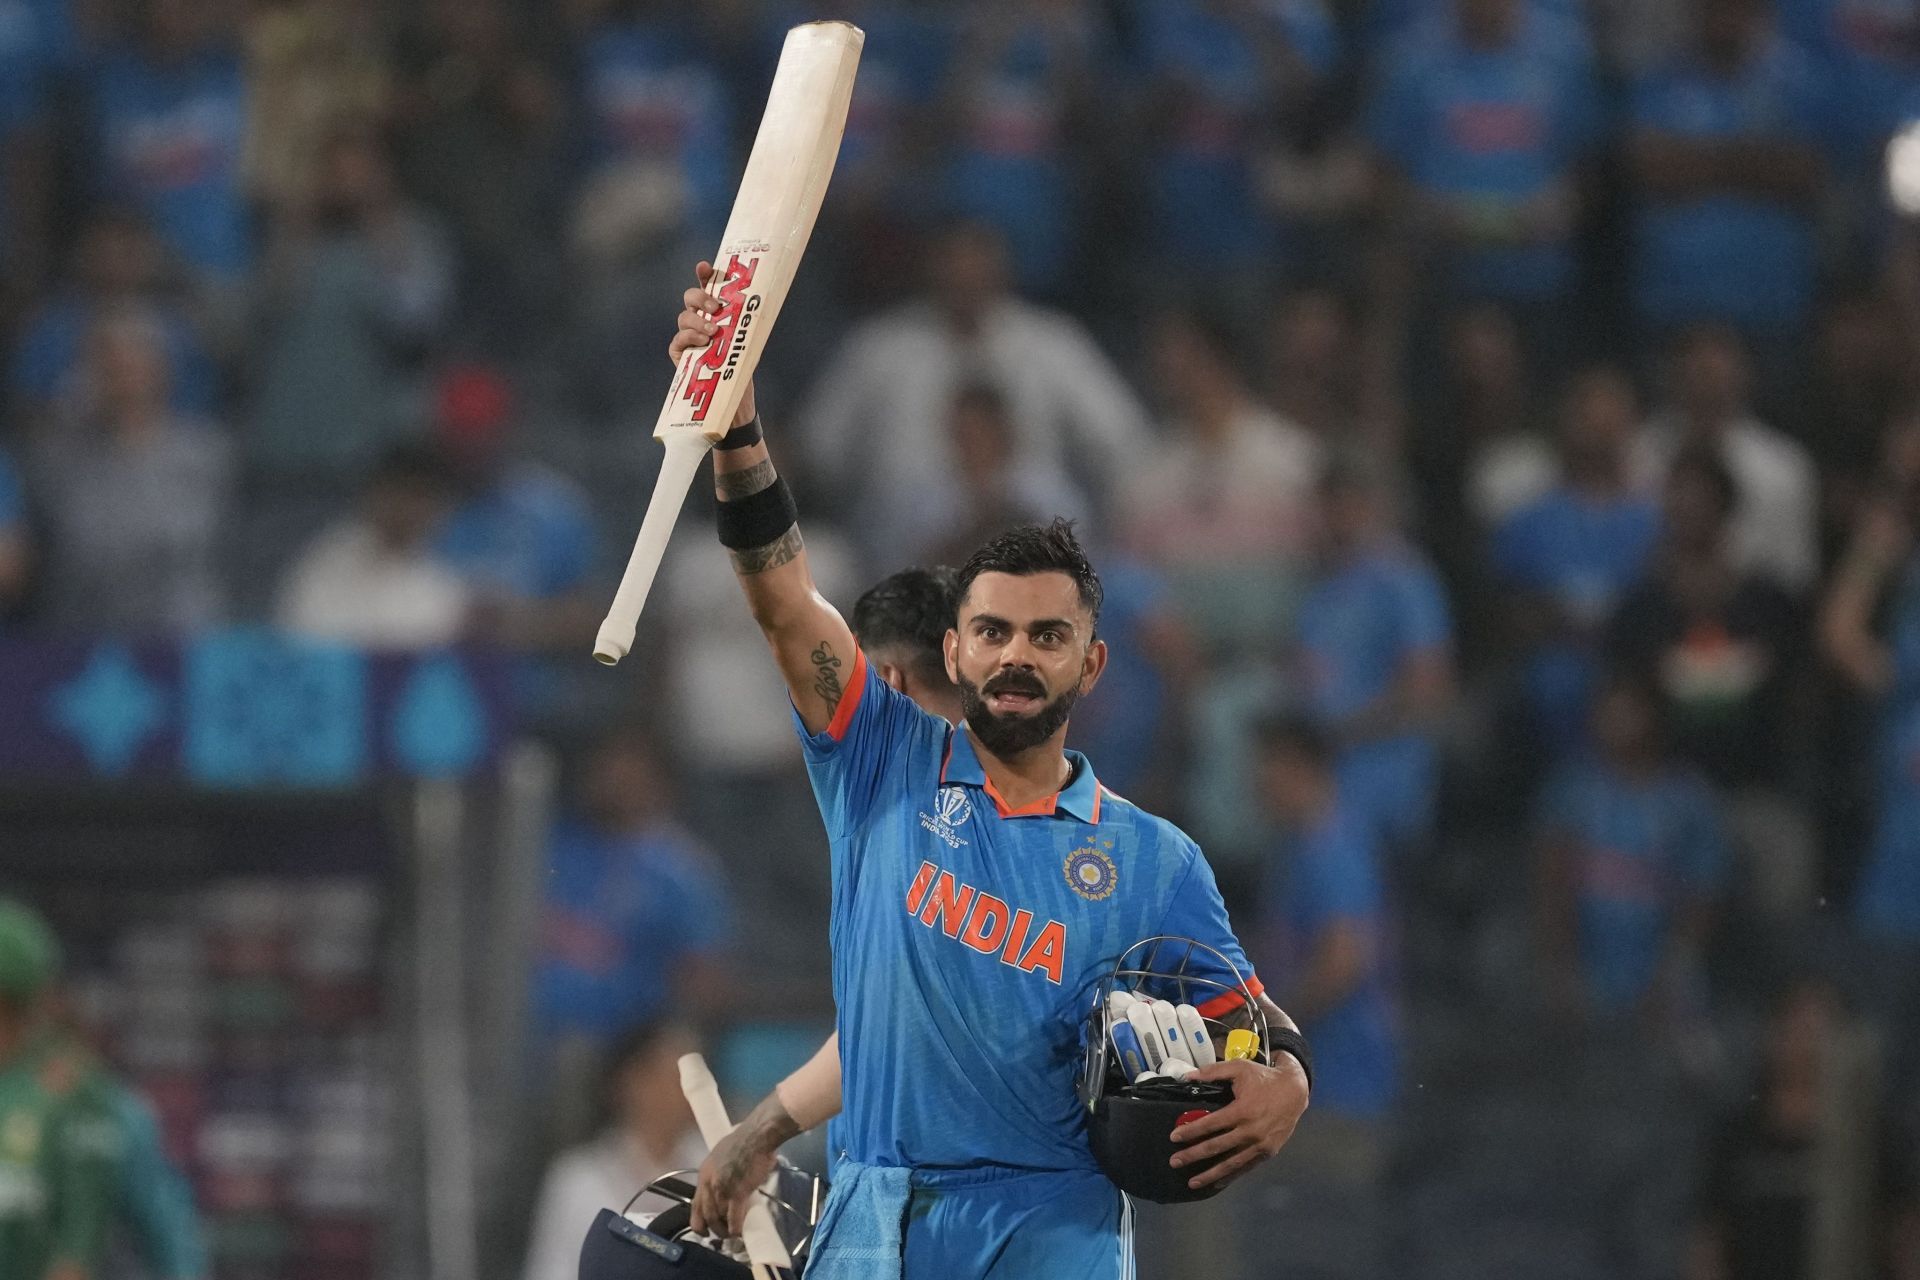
(734, 485)
(761, 1134)
(826, 676)
(780, 551)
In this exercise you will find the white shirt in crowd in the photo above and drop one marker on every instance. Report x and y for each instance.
(602, 1174)
(876, 424)
(1248, 495)
(349, 587)
(1776, 524)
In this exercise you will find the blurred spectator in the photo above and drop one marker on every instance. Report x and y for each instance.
(62, 1160)
(374, 579)
(521, 533)
(636, 921)
(1566, 560)
(1724, 645)
(16, 541)
(1020, 93)
(36, 44)
(1726, 151)
(1223, 508)
(1490, 423)
(875, 425)
(356, 287)
(1482, 125)
(132, 493)
(313, 67)
(1870, 630)
(171, 109)
(1324, 917)
(1775, 527)
(1861, 381)
(1810, 1177)
(1632, 856)
(657, 178)
(1376, 641)
(1225, 80)
(117, 263)
(1871, 50)
(650, 1132)
(1310, 375)
(996, 493)
(884, 181)
(1134, 728)
(156, 1201)
(481, 118)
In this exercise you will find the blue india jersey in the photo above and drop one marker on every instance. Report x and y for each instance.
(968, 937)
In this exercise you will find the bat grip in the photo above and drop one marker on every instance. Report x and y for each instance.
(683, 453)
(764, 1246)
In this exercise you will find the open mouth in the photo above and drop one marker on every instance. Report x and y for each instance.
(1012, 701)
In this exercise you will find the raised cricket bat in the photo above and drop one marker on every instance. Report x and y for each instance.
(773, 215)
(764, 1246)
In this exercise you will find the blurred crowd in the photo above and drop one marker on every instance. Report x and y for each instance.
(1497, 423)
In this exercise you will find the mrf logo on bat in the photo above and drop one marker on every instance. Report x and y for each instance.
(721, 357)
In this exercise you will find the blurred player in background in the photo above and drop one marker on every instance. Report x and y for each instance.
(901, 624)
(963, 1147)
(60, 1137)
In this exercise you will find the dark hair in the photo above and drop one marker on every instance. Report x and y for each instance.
(910, 612)
(1031, 549)
(1298, 732)
(1699, 462)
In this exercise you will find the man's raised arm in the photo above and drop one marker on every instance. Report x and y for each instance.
(758, 523)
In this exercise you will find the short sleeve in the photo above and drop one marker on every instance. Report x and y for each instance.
(1197, 911)
(868, 735)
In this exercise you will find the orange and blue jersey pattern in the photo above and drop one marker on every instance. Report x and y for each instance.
(968, 936)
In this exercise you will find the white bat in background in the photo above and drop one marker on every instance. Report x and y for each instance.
(773, 215)
(762, 1238)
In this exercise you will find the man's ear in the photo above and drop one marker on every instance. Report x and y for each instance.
(1092, 665)
(894, 675)
(950, 650)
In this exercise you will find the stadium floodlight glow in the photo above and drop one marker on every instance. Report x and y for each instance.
(1903, 169)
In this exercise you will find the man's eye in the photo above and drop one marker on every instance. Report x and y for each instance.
(1049, 637)
(990, 633)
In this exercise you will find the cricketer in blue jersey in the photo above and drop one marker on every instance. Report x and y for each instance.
(983, 881)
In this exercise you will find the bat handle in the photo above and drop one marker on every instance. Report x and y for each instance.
(683, 453)
(764, 1245)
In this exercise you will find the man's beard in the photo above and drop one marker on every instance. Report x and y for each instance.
(1010, 735)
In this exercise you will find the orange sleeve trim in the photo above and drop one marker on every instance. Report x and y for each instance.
(850, 701)
(1227, 1001)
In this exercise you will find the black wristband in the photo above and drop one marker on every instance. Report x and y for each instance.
(744, 436)
(757, 519)
(1293, 1043)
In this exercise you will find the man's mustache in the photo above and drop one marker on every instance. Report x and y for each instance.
(1014, 682)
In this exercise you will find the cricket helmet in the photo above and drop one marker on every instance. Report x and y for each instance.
(638, 1243)
(1128, 1118)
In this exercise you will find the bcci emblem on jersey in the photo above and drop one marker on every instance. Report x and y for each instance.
(951, 809)
(1091, 874)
